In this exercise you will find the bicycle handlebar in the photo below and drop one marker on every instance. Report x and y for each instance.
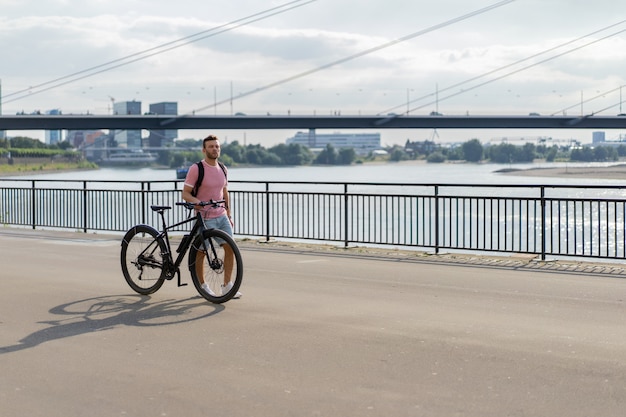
(190, 206)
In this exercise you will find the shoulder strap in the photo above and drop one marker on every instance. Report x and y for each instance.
(223, 169)
(194, 192)
(196, 187)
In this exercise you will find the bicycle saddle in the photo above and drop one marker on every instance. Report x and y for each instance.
(160, 208)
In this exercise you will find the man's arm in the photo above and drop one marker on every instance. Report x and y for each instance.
(187, 189)
(190, 181)
(227, 201)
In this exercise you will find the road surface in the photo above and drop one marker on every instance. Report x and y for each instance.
(315, 334)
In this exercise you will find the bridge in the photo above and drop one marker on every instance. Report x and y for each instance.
(392, 121)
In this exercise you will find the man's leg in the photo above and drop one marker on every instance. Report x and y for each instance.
(229, 258)
(200, 266)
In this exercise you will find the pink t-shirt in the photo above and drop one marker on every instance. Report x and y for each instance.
(212, 188)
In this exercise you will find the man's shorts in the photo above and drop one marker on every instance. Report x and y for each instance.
(221, 223)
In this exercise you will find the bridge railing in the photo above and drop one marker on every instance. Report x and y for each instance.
(584, 221)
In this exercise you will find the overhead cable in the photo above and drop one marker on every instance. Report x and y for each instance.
(469, 80)
(465, 90)
(147, 53)
(358, 55)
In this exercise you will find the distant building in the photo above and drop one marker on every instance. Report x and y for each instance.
(535, 140)
(423, 147)
(164, 137)
(362, 143)
(53, 136)
(84, 138)
(2, 132)
(130, 138)
(598, 137)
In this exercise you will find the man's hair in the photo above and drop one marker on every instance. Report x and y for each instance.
(208, 138)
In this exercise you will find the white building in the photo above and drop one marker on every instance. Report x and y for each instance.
(362, 143)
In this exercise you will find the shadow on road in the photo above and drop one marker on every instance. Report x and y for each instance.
(104, 313)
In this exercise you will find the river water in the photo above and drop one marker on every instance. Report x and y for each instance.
(404, 172)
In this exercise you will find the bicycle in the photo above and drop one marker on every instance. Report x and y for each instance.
(214, 257)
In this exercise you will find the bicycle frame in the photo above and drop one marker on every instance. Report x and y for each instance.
(173, 266)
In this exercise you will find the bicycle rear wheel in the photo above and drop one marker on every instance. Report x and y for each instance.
(142, 259)
(221, 266)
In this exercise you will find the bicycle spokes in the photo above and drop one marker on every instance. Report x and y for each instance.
(143, 259)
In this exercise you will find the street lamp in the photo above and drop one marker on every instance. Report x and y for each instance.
(408, 100)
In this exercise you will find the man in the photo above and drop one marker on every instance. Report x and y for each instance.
(214, 186)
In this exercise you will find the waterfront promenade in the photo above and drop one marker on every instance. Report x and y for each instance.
(324, 332)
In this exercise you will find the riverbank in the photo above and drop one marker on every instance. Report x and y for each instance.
(18, 169)
(613, 172)
(574, 171)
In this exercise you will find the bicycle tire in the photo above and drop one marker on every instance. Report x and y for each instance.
(142, 259)
(215, 266)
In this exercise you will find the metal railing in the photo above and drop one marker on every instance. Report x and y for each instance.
(584, 221)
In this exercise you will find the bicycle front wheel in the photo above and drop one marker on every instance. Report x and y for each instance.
(142, 259)
(215, 260)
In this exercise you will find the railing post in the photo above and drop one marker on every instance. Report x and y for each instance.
(144, 209)
(436, 219)
(33, 206)
(84, 206)
(543, 222)
(345, 214)
(267, 211)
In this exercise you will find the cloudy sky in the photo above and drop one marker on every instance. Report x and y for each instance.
(318, 57)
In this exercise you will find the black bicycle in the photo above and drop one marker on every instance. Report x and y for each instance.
(214, 259)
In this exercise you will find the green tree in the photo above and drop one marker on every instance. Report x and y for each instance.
(526, 153)
(189, 143)
(582, 154)
(600, 154)
(175, 159)
(235, 151)
(436, 157)
(398, 154)
(453, 154)
(502, 153)
(328, 156)
(346, 156)
(63, 145)
(253, 156)
(552, 153)
(472, 150)
(292, 154)
(24, 142)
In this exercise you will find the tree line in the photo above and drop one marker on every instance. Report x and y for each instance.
(233, 153)
(25, 147)
(504, 153)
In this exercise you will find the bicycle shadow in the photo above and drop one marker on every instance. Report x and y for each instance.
(105, 313)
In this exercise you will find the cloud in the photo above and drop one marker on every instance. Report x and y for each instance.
(42, 41)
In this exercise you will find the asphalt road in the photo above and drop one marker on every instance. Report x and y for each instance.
(315, 334)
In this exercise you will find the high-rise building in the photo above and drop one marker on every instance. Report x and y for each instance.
(598, 137)
(2, 133)
(130, 138)
(53, 136)
(163, 137)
